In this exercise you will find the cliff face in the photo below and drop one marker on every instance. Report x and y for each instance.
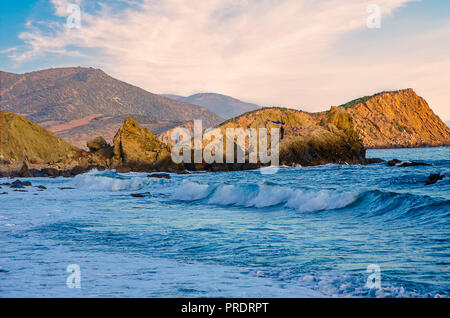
(397, 119)
(138, 149)
(309, 139)
(23, 140)
(27, 149)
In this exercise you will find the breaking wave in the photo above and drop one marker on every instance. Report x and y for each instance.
(261, 196)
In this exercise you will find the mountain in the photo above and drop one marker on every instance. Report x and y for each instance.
(67, 100)
(448, 123)
(21, 139)
(397, 119)
(225, 106)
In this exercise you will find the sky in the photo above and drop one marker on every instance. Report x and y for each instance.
(304, 54)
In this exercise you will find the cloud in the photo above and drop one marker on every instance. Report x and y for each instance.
(268, 51)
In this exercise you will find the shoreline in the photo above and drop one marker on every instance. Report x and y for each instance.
(10, 169)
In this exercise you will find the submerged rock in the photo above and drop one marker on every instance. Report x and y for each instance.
(433, 178)
(20, 185)
(393, 162)
(399, 163)
(374, 160)
(159, 175)
(414, 164)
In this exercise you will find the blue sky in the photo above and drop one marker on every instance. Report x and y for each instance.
(296, 53)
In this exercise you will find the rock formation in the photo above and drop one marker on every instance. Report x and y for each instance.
(397, 119)
(138, 149)
(22, 140)
(28, 150)
(309, 139)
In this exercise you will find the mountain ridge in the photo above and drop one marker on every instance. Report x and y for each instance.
(57, 96)
(223, 105)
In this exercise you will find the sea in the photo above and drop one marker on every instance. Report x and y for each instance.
(322, 231)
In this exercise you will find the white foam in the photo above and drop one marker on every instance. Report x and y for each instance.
(265, 196)
(190, 191)
(93, 181)
(309, 201)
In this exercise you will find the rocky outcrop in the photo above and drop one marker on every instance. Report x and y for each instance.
(28, 150)
(309, 139)
(397, 119)
(22, 140)
(138, 149)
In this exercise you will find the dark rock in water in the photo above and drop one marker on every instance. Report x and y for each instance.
(183, 172)
(433, 178)
(137, 195)
(66, 188)
(20, 185)
(393, 162)
(41, 187)
(4, 193)
(20, 191)
(414, 164)
(50, 172)
(374, 160)
(159, 175)
(77, 170)
(399, 163)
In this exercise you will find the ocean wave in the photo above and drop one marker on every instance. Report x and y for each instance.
(261, 196)
(267, 194)
(109, 181)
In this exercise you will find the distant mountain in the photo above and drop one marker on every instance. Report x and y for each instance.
(397, 119)
(224, 106)
(68, 100)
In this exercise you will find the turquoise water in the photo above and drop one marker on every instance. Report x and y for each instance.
(301, 232)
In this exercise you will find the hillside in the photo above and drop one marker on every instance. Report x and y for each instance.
(62, 99)
(21, 139)
(397, 119)
(224, 106)
(107, 127)
(309, 139)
